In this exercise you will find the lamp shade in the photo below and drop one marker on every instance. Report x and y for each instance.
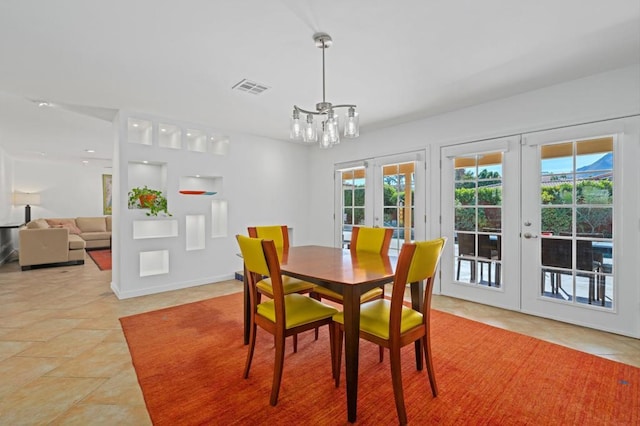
(25, 198)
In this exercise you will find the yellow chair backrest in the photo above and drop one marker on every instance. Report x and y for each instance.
(372, 239)
(275, 233)
(417, 262)
(253, 255)
(425, 259)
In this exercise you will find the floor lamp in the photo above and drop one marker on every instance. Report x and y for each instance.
(26, 199)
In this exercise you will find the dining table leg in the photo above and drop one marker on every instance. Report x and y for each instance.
(417, 299)
(351, 308)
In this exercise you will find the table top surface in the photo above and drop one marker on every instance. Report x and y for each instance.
(338, 265)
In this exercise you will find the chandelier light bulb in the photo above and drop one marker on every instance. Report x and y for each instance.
(351, 127)
(331, 128)
(325, 138)
(296, 126)
(310, 133)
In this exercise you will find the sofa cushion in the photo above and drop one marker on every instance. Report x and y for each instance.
(92, 236)
(38, 224)
(69, 224)
(75, 242)
(108, 219)
(91, 224)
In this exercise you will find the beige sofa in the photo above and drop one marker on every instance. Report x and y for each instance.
(62, 241)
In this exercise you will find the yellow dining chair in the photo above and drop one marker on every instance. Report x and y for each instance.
(393, 325)
(363, 239)
(283, 315)
(280, 237)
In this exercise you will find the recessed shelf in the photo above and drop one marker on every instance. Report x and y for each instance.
(143, 229)
(154, 262)
(145, 173)
(219, 145)
(218, 218)
(139, 131)
(195, 232)
(183, 192)
(200, 185)
(196, 140)
(169, 136)
(151, 174)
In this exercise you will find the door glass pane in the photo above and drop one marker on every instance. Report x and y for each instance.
(478, 219)
(576, 191)
(398, 185)
(353, 182)
(465, 219)
(556, 220)
(466, 193)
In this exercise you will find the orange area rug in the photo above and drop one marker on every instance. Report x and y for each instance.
(102, 258)
(189, 360)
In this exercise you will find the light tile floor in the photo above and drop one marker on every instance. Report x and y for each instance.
(64, 359)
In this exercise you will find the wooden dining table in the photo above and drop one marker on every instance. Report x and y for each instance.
(351, 275)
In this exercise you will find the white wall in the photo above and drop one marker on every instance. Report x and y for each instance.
(66, 190)
(6, 187)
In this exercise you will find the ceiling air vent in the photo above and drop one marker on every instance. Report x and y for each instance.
(250, 87)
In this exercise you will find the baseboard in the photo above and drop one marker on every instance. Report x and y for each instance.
(52, 265)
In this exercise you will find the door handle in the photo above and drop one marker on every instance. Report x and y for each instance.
(529, 235)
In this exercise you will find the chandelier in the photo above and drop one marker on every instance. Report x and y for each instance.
(328, 133)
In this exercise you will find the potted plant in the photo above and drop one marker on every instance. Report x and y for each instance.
(146, 198)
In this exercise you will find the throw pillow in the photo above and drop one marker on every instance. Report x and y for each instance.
(38, 224)
(70, 224)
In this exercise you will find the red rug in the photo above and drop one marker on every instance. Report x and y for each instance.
(102, 258)
(189, 360)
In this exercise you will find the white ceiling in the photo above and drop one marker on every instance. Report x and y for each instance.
(397, 60)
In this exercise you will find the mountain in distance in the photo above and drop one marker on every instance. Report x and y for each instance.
(603, 163)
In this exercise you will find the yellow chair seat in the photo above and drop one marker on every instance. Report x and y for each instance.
(289, 285)
(374, 318)
(299, 310)
(330, 294)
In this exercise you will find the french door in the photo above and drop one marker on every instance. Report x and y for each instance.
(480, 205)
(384, 192)
(575, 228)
(540, 223)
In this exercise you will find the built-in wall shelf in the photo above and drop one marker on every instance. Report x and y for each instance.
(183, 192)
(219, 218)
(154, 263)
(172, 136)
(218, 145)
(196, 140)
(169, 136)
(185, 163)
(147, 173)
(195, 233)
(160, 228)
(200, 185)
(139, 131)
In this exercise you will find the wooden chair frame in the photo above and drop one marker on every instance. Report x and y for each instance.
(398, 340)
(254, 232)
(277, 328)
